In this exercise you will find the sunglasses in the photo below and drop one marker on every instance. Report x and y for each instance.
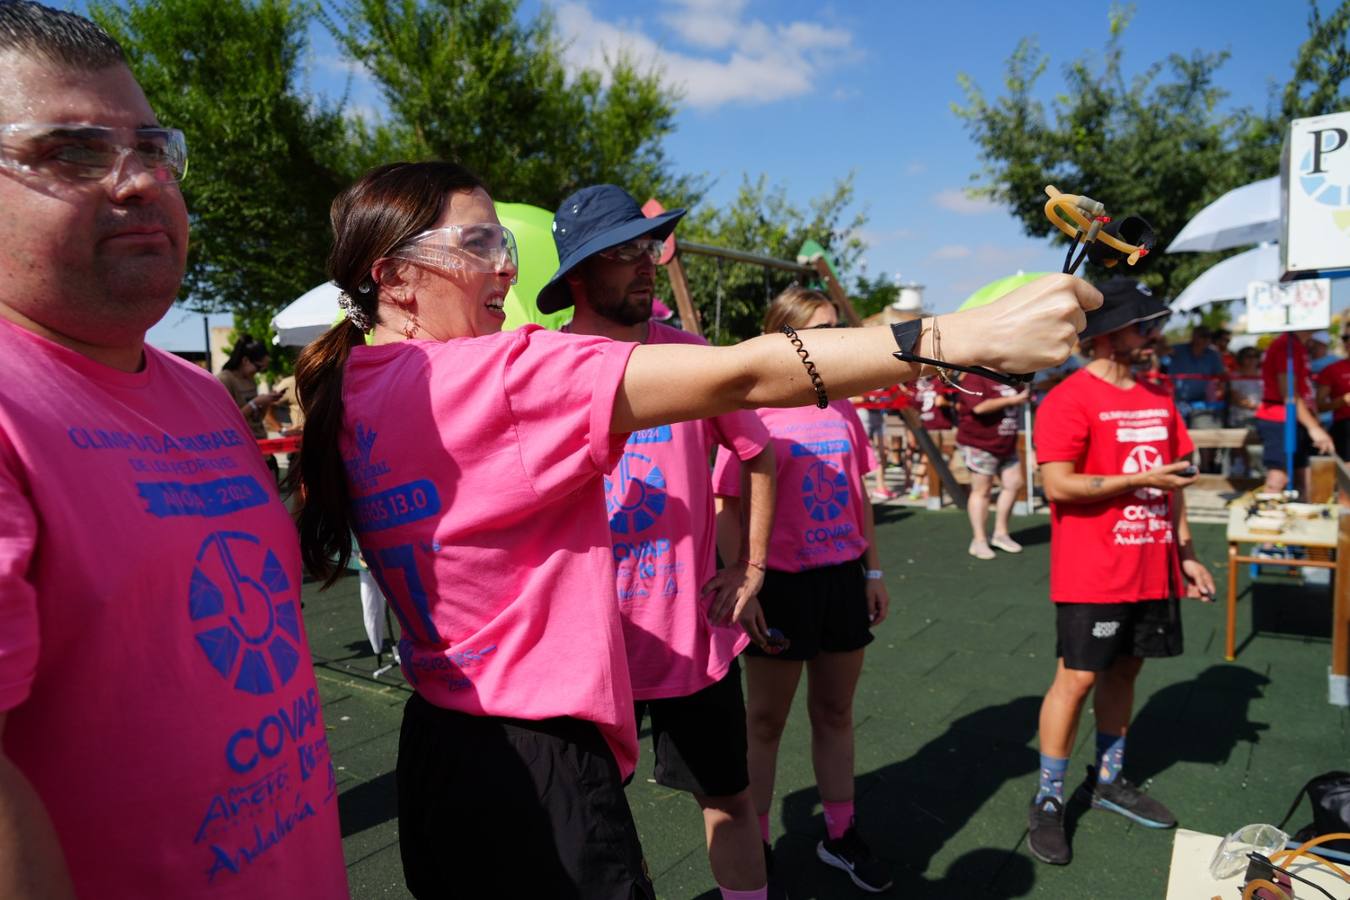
(77, 152)
(829, 325)
(1151, 327)
(631, 251)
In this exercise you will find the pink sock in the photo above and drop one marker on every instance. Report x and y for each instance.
(757, 894)
(838, 816)
(764, 826)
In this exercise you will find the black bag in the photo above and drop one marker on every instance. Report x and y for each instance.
(1329, 794)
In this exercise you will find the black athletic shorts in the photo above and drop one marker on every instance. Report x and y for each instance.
(1340, 436)
(819, 611)
(1091, 635)
(699, 739)
(497, 807)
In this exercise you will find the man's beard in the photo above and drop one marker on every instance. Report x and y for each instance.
(626, 311)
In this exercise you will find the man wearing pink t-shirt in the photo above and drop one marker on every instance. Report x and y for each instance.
(160, 729)
(683, 624)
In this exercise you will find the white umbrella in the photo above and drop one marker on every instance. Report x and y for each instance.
(309, 316)
(1228, 280)
(1243, 216)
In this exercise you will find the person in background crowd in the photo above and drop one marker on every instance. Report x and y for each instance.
(1222, 338)
(1319, 357)
(1244, 397)
(1112, 452)
(1270, 414)
(823, 592)
(470, 464)
(1198, 375)
(684, 623)
(932, 400)
(987, 436)
(150, 623)
(239, 374)
(878, 407)
(1319, 351)
(1333, 396)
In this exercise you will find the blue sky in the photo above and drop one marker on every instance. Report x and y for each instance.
(806, 92)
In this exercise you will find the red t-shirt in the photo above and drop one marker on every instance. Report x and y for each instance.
(1121, 549)
(1275, 364)
(892, 397)
(926, 393)
(1336, 377)
(994, 432)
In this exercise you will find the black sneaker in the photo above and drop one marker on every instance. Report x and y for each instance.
(1045, 832)
(776, 890)
(1120, 796)
(853, 856)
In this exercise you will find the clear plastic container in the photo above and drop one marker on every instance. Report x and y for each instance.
(1231, 857)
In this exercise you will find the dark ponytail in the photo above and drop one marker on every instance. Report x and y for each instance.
(370, 220)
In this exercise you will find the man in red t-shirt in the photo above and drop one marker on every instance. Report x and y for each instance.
(1333, 393)
(1309, 433)
(987, 436)
(1113, 455)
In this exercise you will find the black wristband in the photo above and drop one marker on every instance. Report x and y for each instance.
(907, 336)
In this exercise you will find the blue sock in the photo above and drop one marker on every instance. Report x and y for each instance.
(1053, 769)
(1111, 753)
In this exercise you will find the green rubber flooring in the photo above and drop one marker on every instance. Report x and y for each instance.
(946, 733)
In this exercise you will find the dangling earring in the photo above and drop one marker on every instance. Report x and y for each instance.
(411, 325)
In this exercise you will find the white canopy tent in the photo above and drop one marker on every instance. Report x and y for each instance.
(1228, 279)
(1246, 215)
(308, 317)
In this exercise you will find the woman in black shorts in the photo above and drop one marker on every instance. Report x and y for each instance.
(823, 591)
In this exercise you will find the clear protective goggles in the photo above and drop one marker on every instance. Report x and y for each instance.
(485, 247)
(1230, 857)
(630, 251)
(80, 152)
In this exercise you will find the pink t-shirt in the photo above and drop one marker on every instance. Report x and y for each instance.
(660, 503)
(153, 664)
(822, 455)
(476, 468)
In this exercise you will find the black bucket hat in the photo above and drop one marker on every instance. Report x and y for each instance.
(1125, 302)
(593, 219)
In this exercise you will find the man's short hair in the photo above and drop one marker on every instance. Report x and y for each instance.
(1201, 331)
(58, 37)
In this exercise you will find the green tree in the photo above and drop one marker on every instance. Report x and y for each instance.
(762, 219)
(469, 80)
(1156, 145)
(261, 172)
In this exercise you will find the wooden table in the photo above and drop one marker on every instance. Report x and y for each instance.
(1332, 533)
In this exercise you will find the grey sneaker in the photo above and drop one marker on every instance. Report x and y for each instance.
(851, 855)
(1120, 796)
(1045, 832)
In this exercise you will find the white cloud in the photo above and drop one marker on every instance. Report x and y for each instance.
(916, 168)
(951, 251)
(962, 203)
(754, 62)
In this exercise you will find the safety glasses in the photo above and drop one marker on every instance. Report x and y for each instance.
(75, 152)
(631, 251)
(485, 247)
(1151, 327)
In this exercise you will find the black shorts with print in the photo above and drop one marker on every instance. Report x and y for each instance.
(1089, 636)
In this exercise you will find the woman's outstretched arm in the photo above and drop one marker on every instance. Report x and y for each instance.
(1030, 329)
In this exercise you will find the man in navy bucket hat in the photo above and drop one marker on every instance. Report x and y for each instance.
(594, 219)
(684, 621)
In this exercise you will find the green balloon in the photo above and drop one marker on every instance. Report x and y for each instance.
(995, 289)
(533, 228)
